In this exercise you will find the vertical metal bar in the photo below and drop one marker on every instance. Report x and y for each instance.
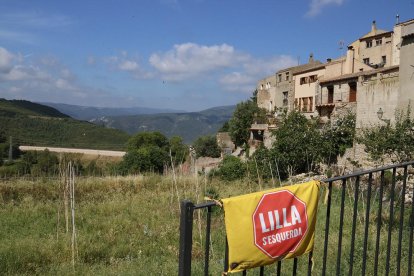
(279, 268)
(186, 238)
(310, 263)
(226, 257)
(379, 222)
(364, 254)
(341, 226)
(295, 266)
(401, 221)
(390, 223)
(328, 214)
(354, 222)
(207, 252)
(410, 246)
(261, 273)
(244, 273)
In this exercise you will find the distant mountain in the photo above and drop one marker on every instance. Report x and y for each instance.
(35, 124)
(189, 125)
(89, 113)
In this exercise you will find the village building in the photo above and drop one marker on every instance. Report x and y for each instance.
(373, 80)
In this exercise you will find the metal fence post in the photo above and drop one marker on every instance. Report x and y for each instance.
(186, 238)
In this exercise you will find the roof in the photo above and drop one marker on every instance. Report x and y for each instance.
(301, 67)
(356, 75)
(375, 33)
(258, 127)
(311, 67)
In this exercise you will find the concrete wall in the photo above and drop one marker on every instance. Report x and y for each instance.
(407, 69)
(377, 91)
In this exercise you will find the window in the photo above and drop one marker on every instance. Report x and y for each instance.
(304, 105)
(285, 98)
(352, 91)
(286, 76)
(366, 61)
(384, 59)
(310, 104)
(261, 87)
(330, 94)
(303, 80)
(313, 78)
(378, 42)
(279, 77)
(369, 43)
(309, 79)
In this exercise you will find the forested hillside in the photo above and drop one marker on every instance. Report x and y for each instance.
(35, 124)
(189, 125)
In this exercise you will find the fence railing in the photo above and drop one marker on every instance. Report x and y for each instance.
(365, 223)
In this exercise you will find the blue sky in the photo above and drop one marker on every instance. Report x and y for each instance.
(179, 54)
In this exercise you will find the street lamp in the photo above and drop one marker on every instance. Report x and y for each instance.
(380, 113)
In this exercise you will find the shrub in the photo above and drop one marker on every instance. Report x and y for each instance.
(231, 168)
(206, 146)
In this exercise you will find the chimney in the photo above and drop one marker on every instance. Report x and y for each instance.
(349, 62)
(374, 27)
(311, 58)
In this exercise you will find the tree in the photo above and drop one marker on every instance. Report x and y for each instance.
(148, 158)
(148, 139)
(395, 142)
(245, 114)
(297, 144)
(179, 150)
(231, 168)
(206, 146)
(150, 151)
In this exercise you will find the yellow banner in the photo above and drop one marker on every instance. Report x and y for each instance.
(271, 225)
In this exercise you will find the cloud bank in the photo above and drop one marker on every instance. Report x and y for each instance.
(316, 6)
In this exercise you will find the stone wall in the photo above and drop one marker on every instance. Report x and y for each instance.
(375, 92)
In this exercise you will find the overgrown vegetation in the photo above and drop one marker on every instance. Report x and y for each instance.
(206, 146)
(244, 116)
(152, 152)
(301, 145)
(129, 226)
(391, 141)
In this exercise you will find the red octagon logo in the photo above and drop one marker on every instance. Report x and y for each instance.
(280, 222)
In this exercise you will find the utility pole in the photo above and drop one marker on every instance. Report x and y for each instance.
(11, 149)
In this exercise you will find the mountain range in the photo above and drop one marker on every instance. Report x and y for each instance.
(188, 125)
(87, 113)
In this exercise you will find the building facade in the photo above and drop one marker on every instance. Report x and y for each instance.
(375, 76)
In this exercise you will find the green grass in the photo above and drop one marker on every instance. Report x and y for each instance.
(130, 226)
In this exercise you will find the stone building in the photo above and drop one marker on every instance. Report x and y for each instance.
(375, 77)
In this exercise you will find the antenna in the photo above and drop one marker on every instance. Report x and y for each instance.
(341, 44)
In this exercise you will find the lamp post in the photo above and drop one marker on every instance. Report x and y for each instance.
(380, 113)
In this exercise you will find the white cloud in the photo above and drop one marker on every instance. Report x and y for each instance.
(5, 60)
(189, 59)
(316, 6)
(244, 80)
(35, 19)
(123, 62)
(128, 65)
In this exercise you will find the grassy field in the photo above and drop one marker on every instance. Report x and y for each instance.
(130, 226)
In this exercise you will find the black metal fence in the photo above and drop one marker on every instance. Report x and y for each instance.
(364, 227)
